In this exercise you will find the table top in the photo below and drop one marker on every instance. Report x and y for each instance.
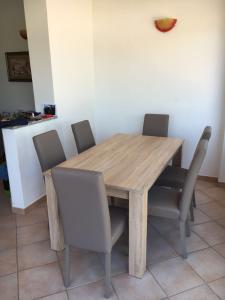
(128, 162)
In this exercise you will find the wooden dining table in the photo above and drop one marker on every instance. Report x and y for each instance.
(130, 165)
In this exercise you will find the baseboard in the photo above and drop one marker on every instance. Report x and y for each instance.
(212, 179)
(23, 211)
(208, 178)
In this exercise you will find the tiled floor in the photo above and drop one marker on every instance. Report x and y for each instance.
(30, 270)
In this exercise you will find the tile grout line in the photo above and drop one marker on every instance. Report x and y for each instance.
(29, 225)
(36, 223)
(26, 245)
(89, 283)
(205, 240)
(148, 270)
(66, 290)
(209, 247)
(17, 266)
(211, 218)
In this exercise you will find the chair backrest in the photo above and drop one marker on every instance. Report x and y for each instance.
(83, 135)
(207, 132)
(156, 125)
(191, 178)
(49, 149)
(83, 208)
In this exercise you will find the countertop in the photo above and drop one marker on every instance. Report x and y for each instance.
(30, 123)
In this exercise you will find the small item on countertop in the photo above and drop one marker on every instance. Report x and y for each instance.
(49, 109)
(47, 116)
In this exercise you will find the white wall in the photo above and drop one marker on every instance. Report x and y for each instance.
(38, 41)
(139, 70)
(136, 68)
(71, 51)
(25, 175)
(13, 95)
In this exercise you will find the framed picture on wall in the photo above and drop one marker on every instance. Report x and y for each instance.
(18, 66)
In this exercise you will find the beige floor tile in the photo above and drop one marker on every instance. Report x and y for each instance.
(94, 291)
(158, 249)
(211, 232)
(193, 243)
(85, 268)
(208, 264)
(7, 238)
(218, 287)
(37, 215)
(135, 289)
(221, 222)
(5, 205)
(7, 222)
(221, 202)
(35, 255)
(39, 282)
(213, 209)
(199, 217)
(220, 249)
(202, 198)
(175, 276)
(216, 193)
(58, 296)
(203, 185)
(8, 263)
(32, 233)
(8, 287)
(199, 293)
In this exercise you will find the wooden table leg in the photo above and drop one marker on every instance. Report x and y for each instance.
(138, 202)
(55, 226)
(177, 159)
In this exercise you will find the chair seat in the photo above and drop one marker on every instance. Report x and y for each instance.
(164, 202)
(118, 218)
(172, 177)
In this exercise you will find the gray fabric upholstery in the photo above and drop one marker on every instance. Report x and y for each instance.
(86, 219)
(168, 203)
(84, 209)
(156, 125)
(191, 178)
(49, 149)
(164, 202)
(117, 223)
(172, 177)
(83, 135)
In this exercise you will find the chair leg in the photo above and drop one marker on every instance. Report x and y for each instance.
(183, 239)
(188, 230)
(67, 266)
(113, 202)
(194, 199)
(192, 212)
(108, 284)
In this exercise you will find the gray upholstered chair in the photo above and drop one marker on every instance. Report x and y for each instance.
(49, 149)
(83, 135)
(87, 221)
(156, 125)
(175, 204)
(175, 177)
